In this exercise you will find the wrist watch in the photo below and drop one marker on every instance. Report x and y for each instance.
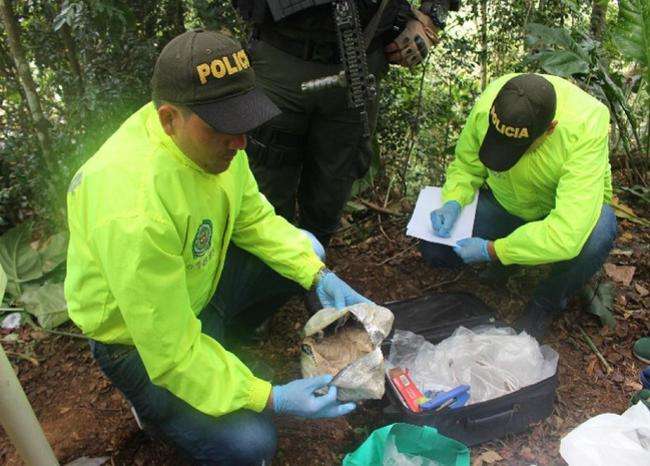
(438, 10)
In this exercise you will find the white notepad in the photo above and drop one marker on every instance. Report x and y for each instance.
(430, 199)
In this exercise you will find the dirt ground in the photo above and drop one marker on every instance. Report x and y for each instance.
(82, 414)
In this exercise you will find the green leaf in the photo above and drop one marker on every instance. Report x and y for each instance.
(541, 33)
(539, 36)
(573, 5)
(54, 251)
(19, 260)
(562, 63)
(601, 302)
(354, 206)
(641, 192)
(632, 34)
(368, 180)
(3, 283)
(60, 20)
(623, 211)
(70, 14)
(551, 36)
(14, 97)
(46, 303)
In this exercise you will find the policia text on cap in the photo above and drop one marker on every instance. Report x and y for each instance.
(174, 252)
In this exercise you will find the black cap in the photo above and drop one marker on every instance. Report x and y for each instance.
(210, 73)
(521, 112)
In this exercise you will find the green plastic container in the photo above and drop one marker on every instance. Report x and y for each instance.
(423, 441)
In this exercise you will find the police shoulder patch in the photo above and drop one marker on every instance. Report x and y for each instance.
(202, 239)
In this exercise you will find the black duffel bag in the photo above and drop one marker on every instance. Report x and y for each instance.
(437, 316)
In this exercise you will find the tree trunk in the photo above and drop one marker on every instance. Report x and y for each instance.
(174, 14)
(71, 54)
(598, 16)
(12, 83)
(27, 82)
(484, 51)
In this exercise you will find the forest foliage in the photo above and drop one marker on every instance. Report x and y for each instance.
(72, 71)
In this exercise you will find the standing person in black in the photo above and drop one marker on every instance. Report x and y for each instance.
(311, 154)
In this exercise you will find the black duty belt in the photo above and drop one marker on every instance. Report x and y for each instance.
(306, 49)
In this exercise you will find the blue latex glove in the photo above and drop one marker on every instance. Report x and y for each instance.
(444, 218)
(334, 292)
(297, 398)
(473, 250)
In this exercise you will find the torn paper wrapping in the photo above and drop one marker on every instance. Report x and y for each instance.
(345, 343)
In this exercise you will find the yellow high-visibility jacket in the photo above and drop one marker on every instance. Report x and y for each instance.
(559, 188)
(149, 231)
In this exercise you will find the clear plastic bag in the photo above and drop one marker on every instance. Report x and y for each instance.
(492, 361)
(609, 439)
(393, 457)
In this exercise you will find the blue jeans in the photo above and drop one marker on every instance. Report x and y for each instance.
(248, 293)
(567, 277)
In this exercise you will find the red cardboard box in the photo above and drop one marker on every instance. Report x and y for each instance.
(409, 393)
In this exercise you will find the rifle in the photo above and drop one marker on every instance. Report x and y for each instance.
(353, 42)
(360, 84)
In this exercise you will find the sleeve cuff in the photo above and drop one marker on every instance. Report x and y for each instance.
(259, 395)
(462, 198)
(500, 249)
(309, 271)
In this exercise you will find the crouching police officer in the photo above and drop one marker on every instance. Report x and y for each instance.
(312, 152)
(172, 246)
(540, 146)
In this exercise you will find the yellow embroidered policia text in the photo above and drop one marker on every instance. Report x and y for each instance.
(220, 67)
(509, 131)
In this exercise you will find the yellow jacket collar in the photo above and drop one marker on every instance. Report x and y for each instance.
(158, 136)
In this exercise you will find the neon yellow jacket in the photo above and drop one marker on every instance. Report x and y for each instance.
(559, 188)
(149, 232)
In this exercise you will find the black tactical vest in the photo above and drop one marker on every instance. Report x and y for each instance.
(312, 18)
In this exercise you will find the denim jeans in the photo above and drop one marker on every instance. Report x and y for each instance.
(248, 293)
(565, 278)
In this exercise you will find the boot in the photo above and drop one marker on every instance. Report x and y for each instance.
(536, 320)
(497, 275)
(641, 350)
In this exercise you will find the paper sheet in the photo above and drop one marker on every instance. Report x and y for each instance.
(430, 199)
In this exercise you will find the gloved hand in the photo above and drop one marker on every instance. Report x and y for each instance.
(297, 398)
(334, 292)
(412, 45)
(444, 218)
(473, 250)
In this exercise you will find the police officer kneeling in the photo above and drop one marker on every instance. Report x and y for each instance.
(538, 146)
(172, 247)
